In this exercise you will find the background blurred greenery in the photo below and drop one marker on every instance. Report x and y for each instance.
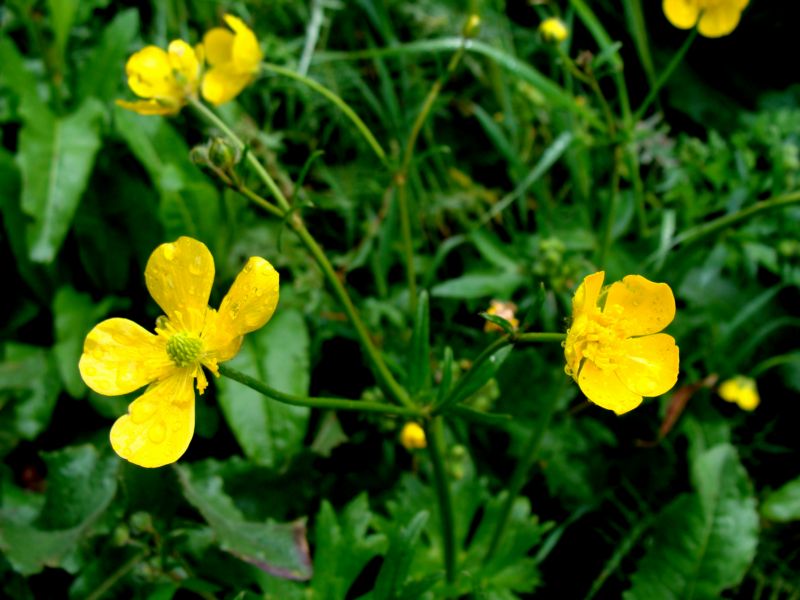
(527, 176)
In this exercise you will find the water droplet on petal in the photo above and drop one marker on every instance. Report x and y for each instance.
(142, 411)
(157, 433)
(169, 251)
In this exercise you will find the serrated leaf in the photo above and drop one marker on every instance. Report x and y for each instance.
(783, 505)
(276, 548)
(56, 156)
(270, 432)
(81, 485)
(704, 542)
(402, 546)
(343, 547)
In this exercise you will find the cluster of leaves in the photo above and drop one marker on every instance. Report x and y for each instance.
(520, 185)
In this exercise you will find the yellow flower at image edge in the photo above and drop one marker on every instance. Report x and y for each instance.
(741, 390)
(164, 79)
(235, 58)
(120, 357)
(714, 18)
(614, 350)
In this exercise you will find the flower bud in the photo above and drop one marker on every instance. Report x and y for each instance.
(553, 30)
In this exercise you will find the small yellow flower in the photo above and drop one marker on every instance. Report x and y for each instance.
(741, 390)
(164, 79)
(714, 18)
(613, 348)
(412, 436)
(554, 30)
(502, 309)
(235, 59)
(120, 357)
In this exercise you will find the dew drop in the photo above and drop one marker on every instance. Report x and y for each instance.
(196, 266)
(157, 433)
(169, 251)
(258, 292)
(142, 411)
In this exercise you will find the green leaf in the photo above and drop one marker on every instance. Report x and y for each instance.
(62, 16)
(419, 360)
(29, 387)
(480, 285)
(56, 156)
(16, 76)
(403, 542)
(502, 323)
(270, 432)
(80, 487)
(108, 56)
(704, 542)
(74, 316)
(343, 547)
(276, 548)
(783, 505)
(476, 378)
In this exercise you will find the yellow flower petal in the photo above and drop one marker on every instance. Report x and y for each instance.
(119, 357)
(218, 44)
(149, 107)
(586, 295)
(179, 277)
(159, 424)
(645, 307)
(682, 14)
(719, 20)
(246, 53)
(223, 83)
(605, 389)
(741, 390)
(247, 306)
(185, 63)
(650, 364)
(150, 74)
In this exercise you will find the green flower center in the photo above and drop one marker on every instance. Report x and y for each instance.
(184, 348)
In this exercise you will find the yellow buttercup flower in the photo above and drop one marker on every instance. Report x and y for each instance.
(120, 357)
(714, 18)
(164, 79)
(412, 436)
(613, 348)
(553, 30)
(234, 57)
(741, 390)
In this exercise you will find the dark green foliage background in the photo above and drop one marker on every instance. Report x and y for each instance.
(518, 190)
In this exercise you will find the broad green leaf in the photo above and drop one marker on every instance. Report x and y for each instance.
(81, 483)
(74, 316)
(270, 432)
(479, 285)
(419, 360)
(343, 547)
(29, 387)
(783, 505)
(276, 548)
(108, 57)
(56, 156)
(704, 542)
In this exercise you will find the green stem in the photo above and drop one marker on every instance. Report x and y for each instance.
(436, 450)
(110, 581)
(337, 101)
(677, 58)
(385, 379)
(489, 351)
(212, 117)
(401, 178)
(520, 475)
(328, 403)
(612, 209)
(695, 233)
